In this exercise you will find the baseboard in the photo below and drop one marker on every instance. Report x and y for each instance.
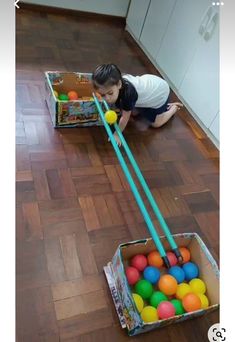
(71, 12)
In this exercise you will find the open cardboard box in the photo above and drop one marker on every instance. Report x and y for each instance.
(81, 112)
(121, 291)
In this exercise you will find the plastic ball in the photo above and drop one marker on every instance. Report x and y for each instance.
(178, 273)
(179, 309)
(191, 302)
(149, 314)
(185, 254)
(144, 288)
(155, 259)
(63, 97)
(197, 285)
(138, 301)
(172, 258)
(132, 274)
(191, 270)
(151, 274)
(139, 261)
(182, 290)
(204, 300)
(99, 97)
(167, 284)
(157, 297)
(55, 93)
(166, 310)
(73, 95)
(110, 117)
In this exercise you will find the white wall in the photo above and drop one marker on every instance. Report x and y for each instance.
(111, 7)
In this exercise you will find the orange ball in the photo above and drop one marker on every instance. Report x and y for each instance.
(167, 284)
(191, 302)
(185, 254)
(155, 259)
(73, 95)
(99, 97)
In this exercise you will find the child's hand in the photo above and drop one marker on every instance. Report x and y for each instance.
(118, 141)
(116, 137)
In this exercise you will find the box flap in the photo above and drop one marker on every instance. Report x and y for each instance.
(117, 302)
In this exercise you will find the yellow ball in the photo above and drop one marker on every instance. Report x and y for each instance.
(204, 300)
(149, 314)
(55, 93)
(197, 285)
(138, 301)
(182, 290)
(110, 117)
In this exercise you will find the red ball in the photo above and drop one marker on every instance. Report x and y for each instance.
(165, 310)
(139, 261)
(172, 258)
(132, 274)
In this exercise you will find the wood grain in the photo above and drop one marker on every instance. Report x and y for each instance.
(73, 203)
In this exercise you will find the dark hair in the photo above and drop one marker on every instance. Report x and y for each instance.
(106, 75)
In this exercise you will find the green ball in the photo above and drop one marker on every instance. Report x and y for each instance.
(144, 288)
(179, 310)
(63, 97)
(157, 297)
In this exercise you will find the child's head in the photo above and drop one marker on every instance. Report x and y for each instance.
(107, 80)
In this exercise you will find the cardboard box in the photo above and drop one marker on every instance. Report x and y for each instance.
(121, 291)
(76, 113)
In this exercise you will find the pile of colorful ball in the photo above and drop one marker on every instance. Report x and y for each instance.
(161, 293)
(72, 95)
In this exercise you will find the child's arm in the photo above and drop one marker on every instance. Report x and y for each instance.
(122, 124)
(124, 119)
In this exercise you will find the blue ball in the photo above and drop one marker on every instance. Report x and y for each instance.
(191, 270)
(178, 273)
(152, 274)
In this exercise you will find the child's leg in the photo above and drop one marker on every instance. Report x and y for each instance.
(161, 119)
(135, 112)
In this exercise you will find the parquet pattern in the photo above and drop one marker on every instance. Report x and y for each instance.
(73, 204)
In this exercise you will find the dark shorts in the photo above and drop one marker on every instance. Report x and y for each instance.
(151, 113)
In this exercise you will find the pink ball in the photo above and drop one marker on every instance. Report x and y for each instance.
(165, 310)
(139, 261)
(172, 258)
(132, 274)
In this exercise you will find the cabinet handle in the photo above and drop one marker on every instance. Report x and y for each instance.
(211, 26)
(205, 20)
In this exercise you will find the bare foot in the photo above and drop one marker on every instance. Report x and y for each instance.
(177, 104)
(164, 117)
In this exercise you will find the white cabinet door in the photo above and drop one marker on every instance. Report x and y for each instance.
(200, 86)
(155, 24)
(181, 39)
(214, 127)
(136, 16)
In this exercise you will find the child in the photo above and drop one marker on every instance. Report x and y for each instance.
(147, 95)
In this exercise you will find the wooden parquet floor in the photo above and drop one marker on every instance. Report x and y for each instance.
(74, 205)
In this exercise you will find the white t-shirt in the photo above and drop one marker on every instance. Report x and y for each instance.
(153, 91)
